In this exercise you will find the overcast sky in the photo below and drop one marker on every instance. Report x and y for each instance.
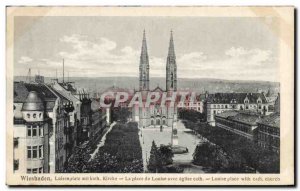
(223, 48)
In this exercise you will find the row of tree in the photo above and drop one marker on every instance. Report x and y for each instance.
(121, 152)
(191, 115)
(242, 155)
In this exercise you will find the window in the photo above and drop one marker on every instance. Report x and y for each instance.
(34, 131)
(226, 106)
(40, 115)
(34, 115)
(16, 142)
(259, 107)
(29, 152)
(28, 115)
(34, 171)
(34, 152)
(16, 164)
(41, 151)
(41, 132)
(29, 131)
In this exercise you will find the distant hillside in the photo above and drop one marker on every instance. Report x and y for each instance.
(199, 85)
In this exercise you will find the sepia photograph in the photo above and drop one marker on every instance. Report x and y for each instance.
(150, 95)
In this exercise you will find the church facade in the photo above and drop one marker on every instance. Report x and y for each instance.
(157, 116)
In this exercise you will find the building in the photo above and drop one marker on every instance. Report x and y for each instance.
(85, 117)
(220, 102)
(197, 104)
(98, 120)
(155, 115)
(40, 120)
(66, 90)
(238, 122)
(31, 135)
(268, 135)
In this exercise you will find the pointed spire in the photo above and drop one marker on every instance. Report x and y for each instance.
(171, 52)
(144, 53)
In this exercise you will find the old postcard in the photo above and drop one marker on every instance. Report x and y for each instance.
(150, 96)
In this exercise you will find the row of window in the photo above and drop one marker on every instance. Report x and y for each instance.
(35, 152)
(34, 115)
(270, 139)
(234, 125)
(234, 106)
(270, 130)
(34, 170)
(35, 131)
(61, 124)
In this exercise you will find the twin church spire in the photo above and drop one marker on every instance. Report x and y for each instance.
(144, 66)
(171, 68)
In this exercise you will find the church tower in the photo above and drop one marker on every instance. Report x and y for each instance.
(144, 66)
(171, 69)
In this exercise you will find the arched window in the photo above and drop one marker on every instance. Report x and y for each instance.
(28, 115)
(34, 115)
(157, 122)
(40, 115)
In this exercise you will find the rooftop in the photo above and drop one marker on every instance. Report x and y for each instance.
(236, 97)
(243, 117)
(271, 120)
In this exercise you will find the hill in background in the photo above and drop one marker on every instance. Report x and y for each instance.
(199, 85)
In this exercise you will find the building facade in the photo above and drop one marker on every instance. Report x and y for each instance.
(238, 122)
(268, 135)
(155, 115)
(31, 135)
(98, 120)
(221, 102)
(40, 121)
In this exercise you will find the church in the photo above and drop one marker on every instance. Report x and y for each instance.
(156, 116)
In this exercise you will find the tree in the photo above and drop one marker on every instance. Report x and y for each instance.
(166, 154)
(155, 163)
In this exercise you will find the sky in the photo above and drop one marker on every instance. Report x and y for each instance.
(222, 48)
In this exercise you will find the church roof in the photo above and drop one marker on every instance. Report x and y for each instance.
(144, 60)
(171, 52)
(157, 89)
